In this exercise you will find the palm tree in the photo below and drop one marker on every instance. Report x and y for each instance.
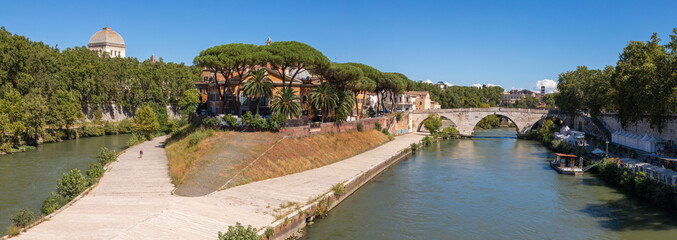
(258, 86)
(286, 103)
(345, 106)
(324, 98)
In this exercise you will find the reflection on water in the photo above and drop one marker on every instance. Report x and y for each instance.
(491, 187)
(27, 178)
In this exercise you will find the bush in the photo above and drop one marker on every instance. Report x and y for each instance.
(275, 122)
(413, 146)
(449, 132)
(106, 155)
(71, 184)
(398, 116)
(125, 126)
(110, 127)
(95, 170)
(269, 232)
(13, 230)
(427, 140)
(230, 120)
(338, 189)
(53, 203)
(23, 218)
(135, 139)
(385, 131)
(90, 129)
(360, 127)
(433, 123)
(254, 122)
(211, 122)
(378, 126)
(200, 134)
(238, 232)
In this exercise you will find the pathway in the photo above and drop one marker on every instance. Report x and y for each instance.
(133, 200)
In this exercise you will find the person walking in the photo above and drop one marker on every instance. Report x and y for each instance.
(141, 154)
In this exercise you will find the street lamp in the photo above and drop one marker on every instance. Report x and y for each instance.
(607, 149)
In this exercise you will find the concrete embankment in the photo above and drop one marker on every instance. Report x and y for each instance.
(133, 200)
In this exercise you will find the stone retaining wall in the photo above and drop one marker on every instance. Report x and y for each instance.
(112, 112)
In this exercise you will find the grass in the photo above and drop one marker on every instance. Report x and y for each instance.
(293, 155)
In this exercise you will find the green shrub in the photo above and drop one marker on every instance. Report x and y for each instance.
(211, 122)
(385, 131)
(90, 129)
(275, 122)
(433, 123)
(106, 155)
(230, 120)
(95, 170)
(238, 232)
(449, 132)
(338, 189)
(23, 218)
(254, 122)
(269, 232)
(427, 140)
(378, 126)
(200, 134)
(13, 230)
(136, 139)
(71, 184)
(398, 116)
(360, 127)
(53, 203)
(125, 126)
(413, 146)
(110, 127)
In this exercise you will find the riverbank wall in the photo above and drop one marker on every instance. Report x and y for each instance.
(391, 123)
(112, 112)
(293, 225)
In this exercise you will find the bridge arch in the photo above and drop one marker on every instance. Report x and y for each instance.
(446, 122)
(466, 118)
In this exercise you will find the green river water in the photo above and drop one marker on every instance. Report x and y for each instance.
(493, 186)
(27, 178)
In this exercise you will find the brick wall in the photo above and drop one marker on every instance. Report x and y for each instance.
(369, 123)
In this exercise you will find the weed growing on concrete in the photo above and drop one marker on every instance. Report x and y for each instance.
(13, 230)
(378, 126)
(338, 189)
(286, 221)
(414, 147)
(269, 232)
(360, 127)
(426, 141)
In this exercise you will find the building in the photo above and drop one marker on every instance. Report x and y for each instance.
(422, 99)
(107, 41)
(411, 100)
(435, 105)
(153, 58)
(512, 96)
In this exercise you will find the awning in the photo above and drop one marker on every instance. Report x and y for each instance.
(565, 155)
(597, 151)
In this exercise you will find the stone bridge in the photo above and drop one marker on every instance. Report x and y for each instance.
(465, 119)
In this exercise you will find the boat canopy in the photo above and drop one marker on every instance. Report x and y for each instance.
(565, 155)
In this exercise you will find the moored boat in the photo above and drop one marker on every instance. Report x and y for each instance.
(566, 164)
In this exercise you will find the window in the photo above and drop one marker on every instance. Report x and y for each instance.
(243, 99)
(305, 99)
(264, 102)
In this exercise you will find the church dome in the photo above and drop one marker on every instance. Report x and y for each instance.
(107, 36)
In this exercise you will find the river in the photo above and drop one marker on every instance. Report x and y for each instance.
(27, 178)
(493, 186)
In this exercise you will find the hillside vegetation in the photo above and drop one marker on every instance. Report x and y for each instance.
(205, 160)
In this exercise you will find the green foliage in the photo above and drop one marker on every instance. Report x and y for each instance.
(385, 131)
(489, 122)
(427, 140)
(125, 126)
(53, 203)
(649, 189)
(106, 155)
(239, 232)
(275, 122)
(258, 86)
(378, 126)
(91, 129)
(269, 232)
(450, 132)
(199, 135)
(325, 99)
(23, 218)
(398, 116)
(211, 122)
(94, 171)
(254, 121)
(13, 230)
(189, 101)
(288, 57)
(360, 127)
(338, 189)
(286, 103)
(145, 122)
(71, 184)
(135, 139)
(110, 127)
(230, 120)
(433, 123)
(413, 146)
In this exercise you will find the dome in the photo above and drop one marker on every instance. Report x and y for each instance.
(107, 36)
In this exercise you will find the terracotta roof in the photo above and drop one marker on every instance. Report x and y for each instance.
(565, 155)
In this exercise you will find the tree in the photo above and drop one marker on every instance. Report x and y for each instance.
(433, 123)
(258, 86)
(239, 232)
(366, 83)
(71, 184)
(189, 101)
(531, 101)
(325, 99)
(345, 106)
(289, 58)
(549, 100)
(287, 103)
(233, 61)
(64, 110)
(145, 122)
(35, 111)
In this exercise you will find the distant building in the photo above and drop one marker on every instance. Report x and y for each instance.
(512, 96)
(435, 105)
(108, 41)
(443, 85)
(153, 58)
(411, 100)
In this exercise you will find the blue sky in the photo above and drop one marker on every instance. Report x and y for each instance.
(509, 43)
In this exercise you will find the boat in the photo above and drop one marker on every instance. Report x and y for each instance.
(566, 164)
